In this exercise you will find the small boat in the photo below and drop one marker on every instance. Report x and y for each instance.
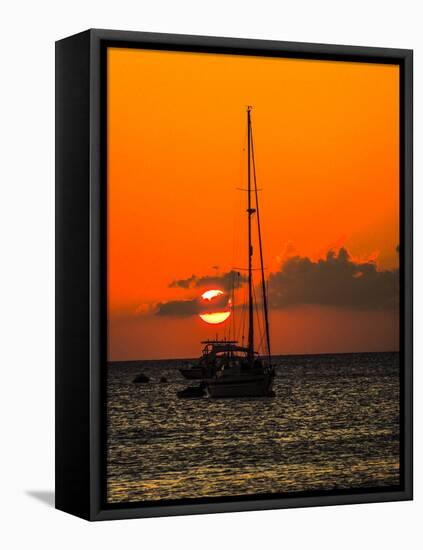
(141, 379)
(193, 391)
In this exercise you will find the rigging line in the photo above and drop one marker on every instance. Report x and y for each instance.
(243, 318)
(237, 203)
(261, 346)
(250, 212)
(261, 331)
(236, 224)
(263, 283)
(232, 310)
(241, 199)
(237, 327)
(257, 317)
(238, 200)
(235, 303)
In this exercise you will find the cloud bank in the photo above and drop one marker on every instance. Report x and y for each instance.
(226, 281)
(185, 308)
(335, 281)
(178, 308)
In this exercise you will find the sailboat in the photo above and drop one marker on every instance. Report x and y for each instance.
(226, 368)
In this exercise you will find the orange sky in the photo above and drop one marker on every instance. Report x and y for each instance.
(326, 138)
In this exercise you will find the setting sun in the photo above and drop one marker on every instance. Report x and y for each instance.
(215, 317)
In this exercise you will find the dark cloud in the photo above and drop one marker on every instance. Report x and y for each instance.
(178, 308)
(185, 308)
(184, 283)
(335, 281)
(226, 281)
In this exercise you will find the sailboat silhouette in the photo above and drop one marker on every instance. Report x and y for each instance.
(226, 368)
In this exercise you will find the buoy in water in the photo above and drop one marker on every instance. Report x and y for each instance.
(141, 379)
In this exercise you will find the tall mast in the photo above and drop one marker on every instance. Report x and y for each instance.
(263, 282)
(250, 212)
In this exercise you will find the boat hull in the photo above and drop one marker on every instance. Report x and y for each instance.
(254, 386)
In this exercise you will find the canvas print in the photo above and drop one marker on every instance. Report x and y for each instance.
(252, 276)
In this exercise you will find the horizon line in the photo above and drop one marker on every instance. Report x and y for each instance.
(275, 355)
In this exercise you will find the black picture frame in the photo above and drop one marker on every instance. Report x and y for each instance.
(81, 322)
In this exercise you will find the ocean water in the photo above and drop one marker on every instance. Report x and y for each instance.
(334, 424)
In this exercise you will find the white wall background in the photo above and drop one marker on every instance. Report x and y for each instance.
(28, 31)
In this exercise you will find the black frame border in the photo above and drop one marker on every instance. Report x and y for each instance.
(99, 41)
